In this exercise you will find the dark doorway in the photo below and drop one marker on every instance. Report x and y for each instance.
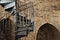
(5, 29)
(47, 32)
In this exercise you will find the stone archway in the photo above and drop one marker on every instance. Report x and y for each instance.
(6, 29)
(47, 32)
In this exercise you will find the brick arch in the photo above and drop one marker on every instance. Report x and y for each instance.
(47, 32)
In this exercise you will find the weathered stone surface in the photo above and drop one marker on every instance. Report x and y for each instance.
(45, 11)
(3, 14)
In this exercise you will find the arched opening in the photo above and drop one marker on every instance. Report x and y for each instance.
(47, 32)
(5, 29)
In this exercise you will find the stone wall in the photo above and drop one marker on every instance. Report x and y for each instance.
(45, 11)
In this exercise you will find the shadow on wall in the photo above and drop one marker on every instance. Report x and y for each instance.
(48, 32)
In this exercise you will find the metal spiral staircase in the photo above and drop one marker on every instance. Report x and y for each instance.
(24, 16)
(24, 21)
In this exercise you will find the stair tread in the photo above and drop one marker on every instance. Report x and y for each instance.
(21, 29)
(22, 33)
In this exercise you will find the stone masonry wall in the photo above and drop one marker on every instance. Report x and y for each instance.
(45, 11)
